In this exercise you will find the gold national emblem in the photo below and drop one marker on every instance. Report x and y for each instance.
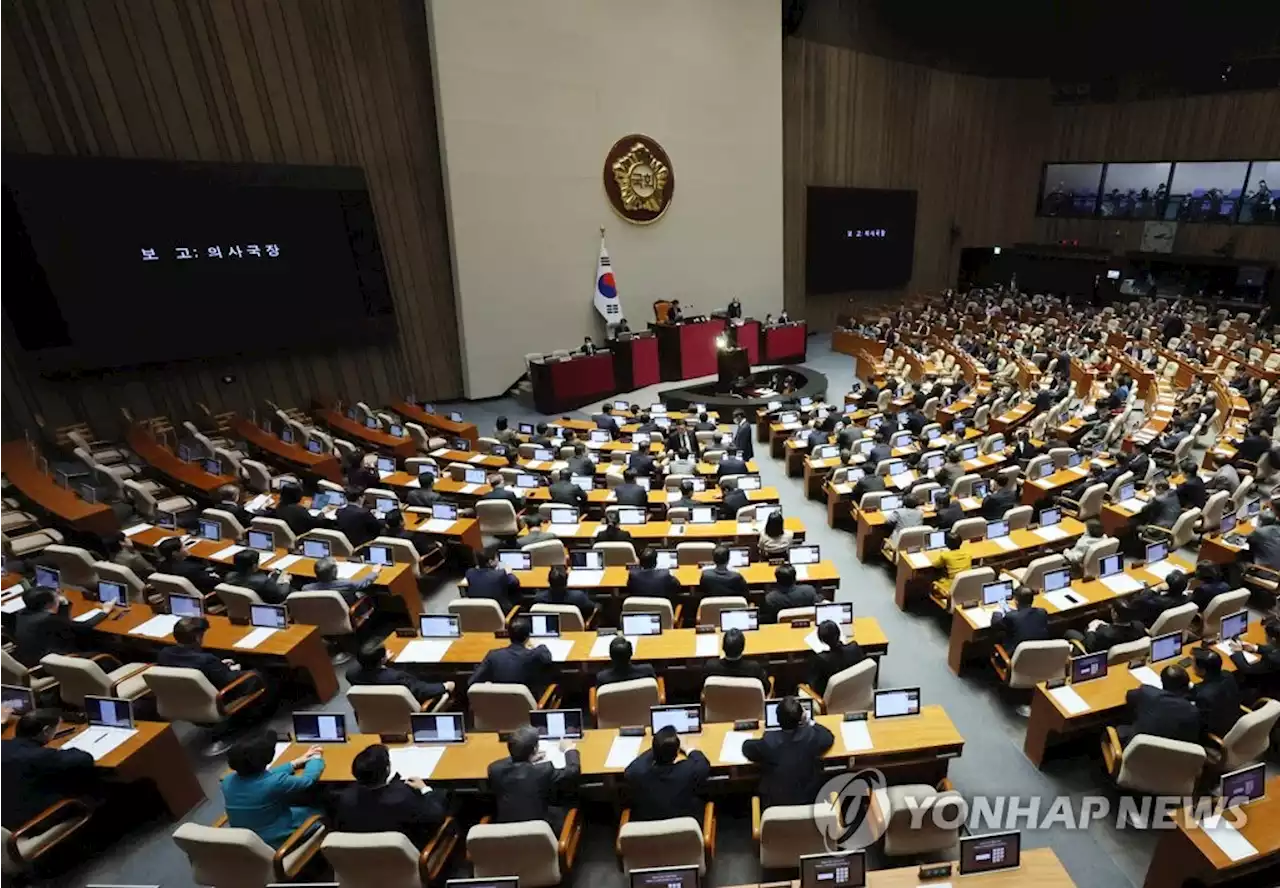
(638, 179)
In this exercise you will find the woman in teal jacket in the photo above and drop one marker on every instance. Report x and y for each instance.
(258, 797)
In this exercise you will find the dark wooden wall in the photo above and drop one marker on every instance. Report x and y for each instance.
(855, 119)
(329, 82)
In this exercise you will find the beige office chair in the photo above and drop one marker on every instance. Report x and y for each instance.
(1181, 534)
(962, 487)
(547, 553)
(118, 573)
(694, 553)
(849, 690)
(339, 545)
(618, 554)
(172, 584)
(910, 539)
(497, 518)
(1032, 663)
(78, 677)
(963, 591)
(570, 617)
(382, 709)
(1089, 504)
(641, 604)
(1211, 515)
(73, 563)
(970, 528)
(1032, 575)
(1113, 492)
(1151, 764)
(29, 544)
(528, 850)
(257, 477)
(148, 501)
(1175, 619)
(478, 614)
(625, 703)
(1249, 738)
(403, 552)
(1221, 606)
(895, 815)
(1019, 517)
(282, 537)
(56, 826)
(677, 841)
(238, 600)
(726, 699)
(388, 859)
(502, 706)
(187, 695)
(1128, 651)
(14, 673)
(337, 621)
(226, 857)
(785, 833)
(228, 526)
(710, 607)
(1091, 565)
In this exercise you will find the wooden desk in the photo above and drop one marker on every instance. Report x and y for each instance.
(873, 527)
(658, 499)
(1041, 489)
(1011, 419)
(300, 647)
(463, 532)
(1187, 853)
(64, 506)
(1040, 867)
(289, 456)
(435, 421)
(166, 462)
(446, 456)
(929, 739)
(446, 486)
(728, 532)
(362, 435)
(1215, 548)
(154, 755)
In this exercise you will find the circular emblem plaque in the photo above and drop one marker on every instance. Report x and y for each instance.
(638, 179)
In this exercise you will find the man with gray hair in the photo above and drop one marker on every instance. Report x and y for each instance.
(525, 783)
(327, 579)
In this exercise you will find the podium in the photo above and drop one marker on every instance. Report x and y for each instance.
(731, 364)
(687, 350)
(567, 383)
(635, 362)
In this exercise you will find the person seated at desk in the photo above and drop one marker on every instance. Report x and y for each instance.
(517, 663)
(261, 800)
(1217, 697)
(504, 434)
(775, 539)
(421, 542)
(581, 463)
(189, 653)
(955, 559)
(674, 315)
(564, 491)
(704, 423)
(380, 801)
(533, 524)
(916, 421)
(1004, 498)
(120, 550)
(1023, 450)
(649, 580)
(662, 787)
(362, 471)
(1163, 510)
(327, 579)
(881, 450)
(1073, 492)
(1102, 636)
(35, 776)
(227, 498)
(606, 420)
(951, 469)
(645, 424)
(720, 579)
(732, 463)
(629, 493)
(1025, 623)
(488, 580)
(1264, 542)
(679, 462)
(620, 667)
(425, 494)
(1093, 534)
(45, 626)
(731, 663)
(1261, 678)
(1166, 711)
(174, 560)
(732, 498)
(681, 438)
(272, 587)
(1209, 584)
(499, 491)
(373, 668)
(1254, 444)
(838, 656)
(558, 592)
(1224, 475)
(948, 512)
(900, 519)
(524, 784)
(786, 594)
(815, 438)
(790, 759)
(612, 530)
(290, 510)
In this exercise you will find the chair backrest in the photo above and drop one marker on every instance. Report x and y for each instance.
(709, 608)
(183, 695)
(788, 832)
(1091, 564)
(228, 526)
(372, 860)
(1019, 517)
(993, 443)
(547, 553)
(677, 841)
(852, 689)
(402, 552)
(13, 671)
(172, 584)
(618, 554)
(642, 604)
(726, 699)
(282, 537)
(76, 677)
(694, 553)
(1129, 650)
(1250, 737)
(1034, 465)
(1113, 492)
(1175, 619)
(226, 857)
(570, 617)
(1060, 456)
(478, 614)
(238, 600)
(337, 540)
(118, 573)
(966, 588)
(257, 476)
(1037, 661)
(1237, 498)
(325, 609)
(1184, 528)
(1220, 606)
(1091, 500)
(74, 563)
(963, 486)
(904, 833)
(382, 709)
(970, 528)
(500, 706)
(1159, 765)
(980, 417)
(485, 444)
(529, 850)
(497, 517)
(1034, 577)
(626, 703)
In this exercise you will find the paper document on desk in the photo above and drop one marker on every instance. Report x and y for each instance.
(623, 752)
(281, 746)
(1069, 700)
(565, 530)
(1051, 533)
(552, 752)
(817, 646)
(856, 736)
(469, 488)
(137, 529)
(1005, 543)
(1133, 504)
(256, 637)
(1226, 650)
(99, 741)
(1043, 483)
(706, 645)
(1064, 599)
(89, 614)
(424, 650)
(969, 503)
(475, 458)
(586, 577)
(412, 482)
(284, 562)
(1147, 676)
(1078, 471)
(1228, 839)
(415, 761)
(903, 480)
(1162, 569)
(159, 626)
(731, 749)
(918, 560)
(1121, 583)
(258, 503)
(979, 616)
(436, 525)
(13, 605)
(746, 529)
(228, 552)
(348, 569)
(559, 647)
(600, 647)
(802, 571)
(675, 530)
(383, 476)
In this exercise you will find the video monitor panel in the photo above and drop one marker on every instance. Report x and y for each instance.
(1135, 190)
(1206, 191)
(859, 239)
(1261, 204)
(1070, 189)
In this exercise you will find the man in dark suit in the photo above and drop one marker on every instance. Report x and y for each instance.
(641, 462)
(271, 587)
(1261, 676)
(1163, 510)
(838, 656)
(868, 483)
(731, 463)
(686, 500)
(620, 667)
(565, 491)
(881, 450)
(533, 523)
(382, 802)
(1217, 697)
(290, 510)
(732, 665)
(1002, 500)
(425, 494)
(704, 423)
(327, 580)
(681, 438)
(732, 499)
(517, 663)
(524, 784)
(606, 420)
(1025, 623)
(1147, 606)
(373, 668)
(815, 438)
(228, 500)
(188, 653)
(720, 579)
(650, 581)
(629, 493)
(662, 787)
(1166, 711)
(1023, 450)
(580, 463)
(499, 491)
(174, 560)
(37, 777)
(787, 594)
(949, 512)
(1254, 444)
(1191, 492)
(488, 580)
(743, 437)
(46, 627)
(790, 759)
(916, 421)
(1105, 636)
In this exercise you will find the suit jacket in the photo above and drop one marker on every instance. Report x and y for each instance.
(189, 568)
(503, 493)
(1164, 714)
(1218, 700)
(1108, 635)
(37, 777)
(949, 516)
(790, 763)
(1264, 544)
(1025, 624)
(537, 536)
(241, 514)
(494, 583)
(611, 674)
(734, 500)
(816, 438)
(685, 440)
(995, 505)
(358, 523)
(348, 589)
(1263, 675)
(577, 597)
(631, 495)
(387, 676)
(660, 792)
(182, 656)
(779, 599)
(1147, 606)
(611, 534)
(422, 497)
(44, 632)
(524, 790)
(393, 807)
(743, 440)
(878, 454)
(1252, 448)
(264, 802)
(731, 467)
(721, 581)
(605, 421)
(1162, 511)
(582, 465)
(297, 517)
(568, 493)
(741, 668)
(641, 463)
(1206, 592)
(824, 664)
(515, 664)
(269, 590)
(656, 583)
